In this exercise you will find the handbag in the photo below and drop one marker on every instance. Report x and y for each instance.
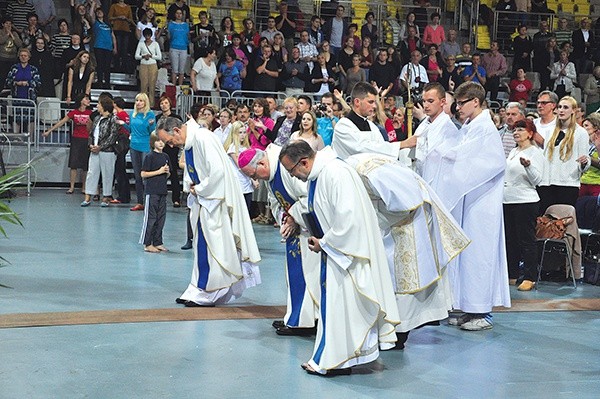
(121, 146)
(547, 226)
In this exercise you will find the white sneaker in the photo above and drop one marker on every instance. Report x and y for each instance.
(478, 324)
(459, 320)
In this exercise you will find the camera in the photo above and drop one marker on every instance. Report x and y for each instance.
(322, 107)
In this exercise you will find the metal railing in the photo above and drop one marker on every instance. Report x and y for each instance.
(18, 121)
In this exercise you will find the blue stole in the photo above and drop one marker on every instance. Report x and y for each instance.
(201, 247)
(311, 198)
(297, 284)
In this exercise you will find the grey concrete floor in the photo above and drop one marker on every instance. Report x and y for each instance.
(72, 259)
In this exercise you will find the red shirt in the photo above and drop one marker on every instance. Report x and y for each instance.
(80, 120)
(520, 89)
(124, 116)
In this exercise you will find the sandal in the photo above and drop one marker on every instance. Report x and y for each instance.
(69, 191)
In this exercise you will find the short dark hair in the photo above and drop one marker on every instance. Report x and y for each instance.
(107, 103)
(369, 14)
(296, 150)
(470, 90)
(362, 89)
(305, 98)
(435, 86)
(147, 32)
(435, 14)
(120, 102)
(195, 110)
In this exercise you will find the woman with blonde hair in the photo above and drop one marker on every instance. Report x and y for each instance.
(236, 142)
(142, 122)
(567, 154)
(308, 131)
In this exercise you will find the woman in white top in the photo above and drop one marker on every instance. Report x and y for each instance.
(567, 153)
(148, 53)
(524, 171)
(224, 128)
(564, 74)
(204, 74)
(308, 131)
(236, 142)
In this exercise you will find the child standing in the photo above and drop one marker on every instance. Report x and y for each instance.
(235, 143)
(155, 172)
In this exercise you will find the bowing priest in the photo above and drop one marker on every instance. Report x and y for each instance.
(355, 133)
(358, 312)
(288, 199)
(420, 237)
(225, 250)
(469, 177)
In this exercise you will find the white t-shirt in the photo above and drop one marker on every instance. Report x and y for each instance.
(544, 130)
(205, 78)
(141, 26)
(337, 31)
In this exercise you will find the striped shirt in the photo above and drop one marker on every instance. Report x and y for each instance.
(59, 43)
(18, 11)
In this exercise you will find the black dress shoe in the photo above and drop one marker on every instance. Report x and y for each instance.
(299, 332)
(191, 304)
(180, 301)
(188, 245)
(278, 324)
(401, 339)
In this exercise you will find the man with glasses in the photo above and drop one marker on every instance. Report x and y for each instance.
(545, 124)
(514, 113)
(225, 250)
(358, 311)
(288, 197)
(469, 179)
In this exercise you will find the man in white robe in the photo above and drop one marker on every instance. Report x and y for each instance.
(469, 179)
(437, 128)
(420, 236)
(358, 308)
(356, 134)
(288, 199)
(225, 250)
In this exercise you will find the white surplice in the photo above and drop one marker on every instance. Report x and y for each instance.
(420, 236)
(469, 178)
(221, 225)
(358, 308)
(303, 311)
(442, 131)
(348, 140)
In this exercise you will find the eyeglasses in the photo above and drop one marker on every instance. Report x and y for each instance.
(544, 102)
(295, 165)
(463, 102)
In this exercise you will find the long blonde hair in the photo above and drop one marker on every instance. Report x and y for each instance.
(566, 145)
(142, 96)
(234, 138)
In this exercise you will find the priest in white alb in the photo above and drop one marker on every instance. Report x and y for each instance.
(420, 236)
(358, 311)
(225, 250)
(288, 197)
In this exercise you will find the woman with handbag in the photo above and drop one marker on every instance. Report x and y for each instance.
(79, 152)
(524, 171)
(567, 152)
(148, 53)
(103, 136)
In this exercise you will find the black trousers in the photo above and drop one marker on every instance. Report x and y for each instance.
(552, 195)
(154, 219)
(173, 153)
(492, 85)
(122, 181)
(519, 229)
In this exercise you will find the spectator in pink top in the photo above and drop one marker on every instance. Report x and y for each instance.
(259, 124)
(434, 32)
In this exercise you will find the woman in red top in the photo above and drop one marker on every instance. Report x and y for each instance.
(520, 87)
(79, 152)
